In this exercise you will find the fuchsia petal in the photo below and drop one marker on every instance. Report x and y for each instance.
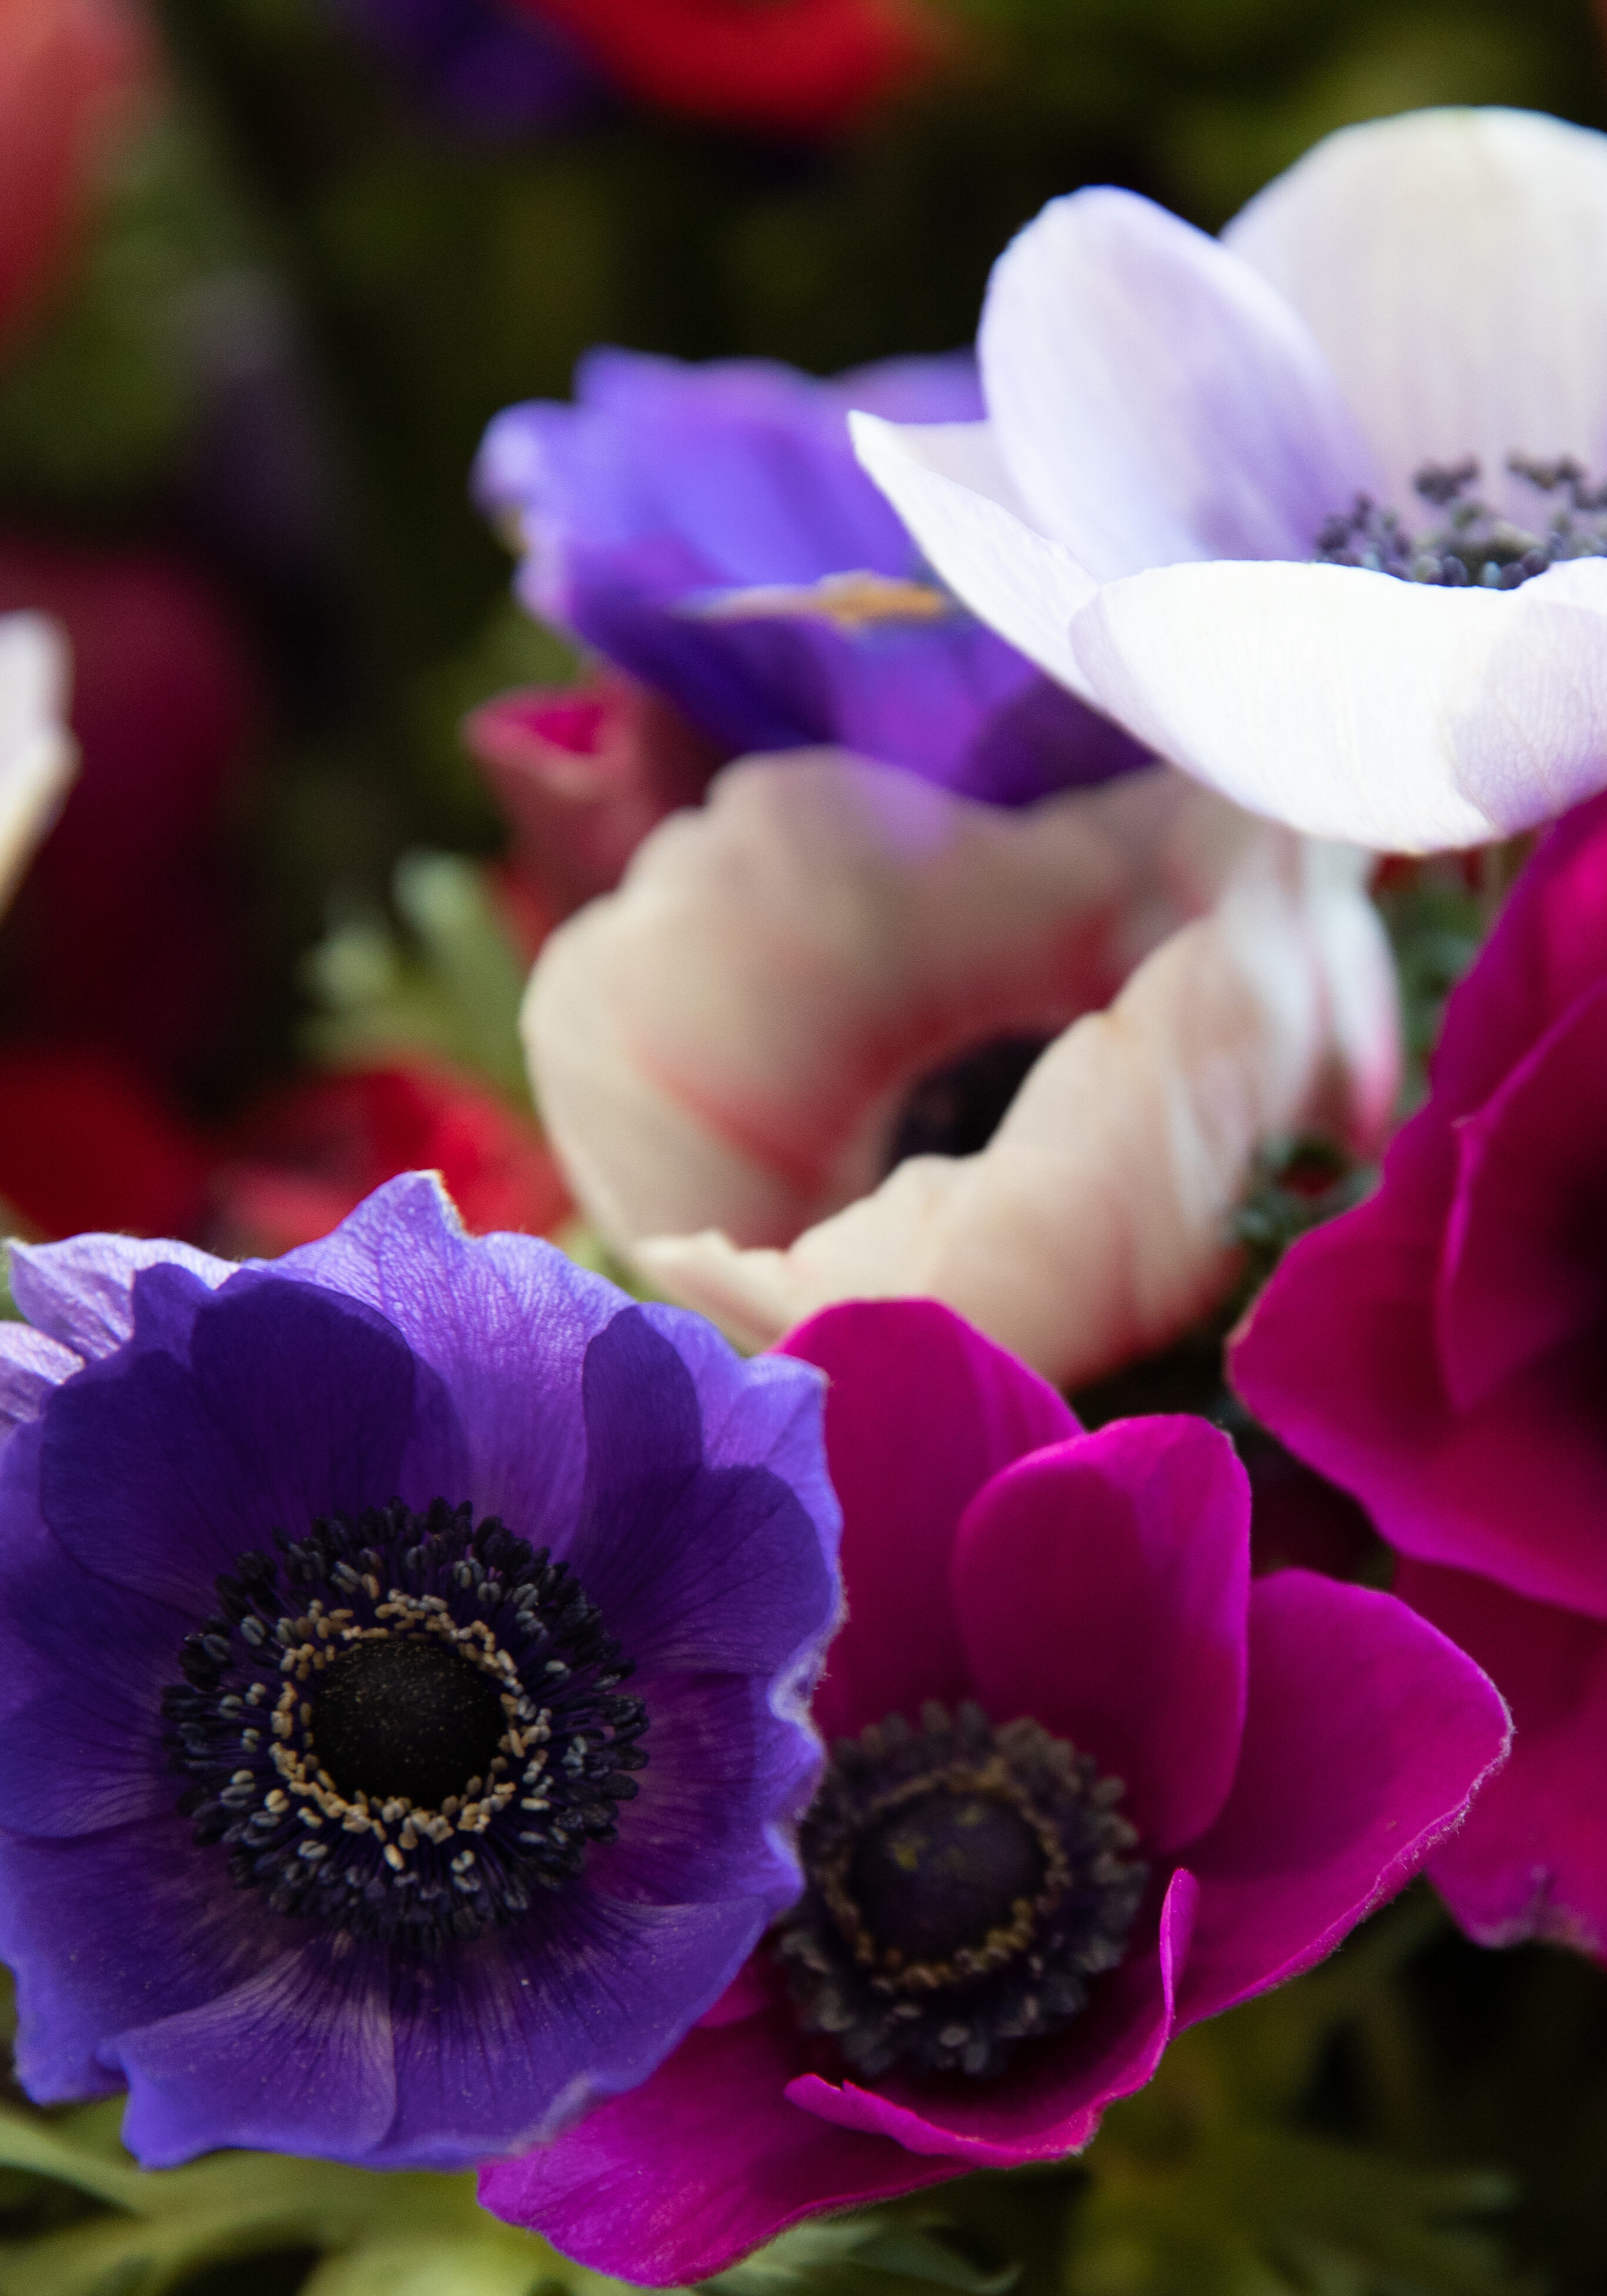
(1524, 1266)
(1366, 1732)
(920, 1413)
(1545, 951)
(677, 2179)
(1531, 1860)
(1051, 2103)
(1338, 1358)
(1134, 1545)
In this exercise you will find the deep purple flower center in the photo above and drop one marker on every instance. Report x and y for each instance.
(404, 1727)
(955, 1110)
(1472, 542)
(965, 1885)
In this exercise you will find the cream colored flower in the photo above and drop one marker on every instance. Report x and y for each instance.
(723, 1047)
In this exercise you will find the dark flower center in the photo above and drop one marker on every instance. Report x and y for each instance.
(965, 1885)
(955, 1110)
(943, 1873)
(404, 1727)
(408, 1717)
(1471, 542)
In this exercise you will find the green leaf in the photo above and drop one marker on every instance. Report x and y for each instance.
(833, 2253)
(449, 989)
(1252, 2211)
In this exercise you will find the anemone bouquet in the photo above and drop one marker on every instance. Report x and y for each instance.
(803, 840)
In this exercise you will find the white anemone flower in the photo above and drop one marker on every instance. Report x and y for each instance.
(727, 1050)
(38, 754)
(1315, 510)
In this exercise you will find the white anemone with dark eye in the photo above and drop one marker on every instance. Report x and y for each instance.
(1176, 424)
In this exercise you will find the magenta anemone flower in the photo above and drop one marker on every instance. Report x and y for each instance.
(1438, 1353)
(404, 1648)
(1090, 1783)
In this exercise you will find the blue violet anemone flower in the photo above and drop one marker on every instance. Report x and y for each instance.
(407, 1647)
(707, 530)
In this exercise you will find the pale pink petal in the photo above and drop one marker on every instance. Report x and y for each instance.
(949, 486)
(1090, 1229)
(728, 1040)
(1397, 714)
(1152, 399)
(1453, 266)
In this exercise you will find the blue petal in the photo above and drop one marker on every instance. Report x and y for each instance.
(697, 1567)
(502, 1320)
(529, 2027)
(161, 1467)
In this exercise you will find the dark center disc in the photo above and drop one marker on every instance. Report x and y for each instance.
(405, 1716)
(957, 1110)
(943, 1871)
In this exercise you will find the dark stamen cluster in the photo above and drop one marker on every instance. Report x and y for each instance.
(964, 1884)
(404, 1726)
(1472, 544)
(955, 1110)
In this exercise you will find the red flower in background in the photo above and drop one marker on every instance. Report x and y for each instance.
(69, 72)
(124, 934)
(309, 1155)
(88, 1142)
(799, 67)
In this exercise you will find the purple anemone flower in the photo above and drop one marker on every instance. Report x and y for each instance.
(1319, 511)
(708, 530)
(1439, 1351)
(405, 1649)
(1090, 1785)
(491, 69)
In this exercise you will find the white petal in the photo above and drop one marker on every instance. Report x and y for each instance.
(1090, 1230)
(947, 483)
(1153, 400)
(38, 754)
(1395, 715)
(1453, 266)
(729, 1039)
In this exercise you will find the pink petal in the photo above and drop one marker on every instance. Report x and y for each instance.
(1090, 1229)
(920, 1413)
(1365, 1734)
(1531, 1859)
(1100, 1588)
(1050, 2100)
(1338, 1357)
(677, 2179)
(1545, 950)
(1521, 1270)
